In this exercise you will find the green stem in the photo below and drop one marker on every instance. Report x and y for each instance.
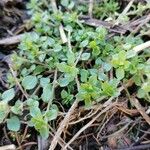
(53, 90)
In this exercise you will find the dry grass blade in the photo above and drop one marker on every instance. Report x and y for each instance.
(125, 10)
(8, 147)
(144, 22)
(141, 47)
(138, 106)
(63, 125)
(89, 123)
(11, 40)
(91, 7)
(96, 23)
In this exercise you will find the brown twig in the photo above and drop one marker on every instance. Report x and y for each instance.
(24, 134)
(63, 125)
(64, 122)
(11, 40)
(60, 141)
(140, 139)
(83, 118)
(18, 140)
(8, 147)
(147, 19)
(96, 23)
(104, 123)
(139, 107)
(25, 145)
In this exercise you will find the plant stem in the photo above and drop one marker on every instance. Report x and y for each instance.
(53, 90)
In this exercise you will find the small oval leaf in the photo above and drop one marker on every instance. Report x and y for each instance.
(8, 95)
(13, 123)
(29, 82)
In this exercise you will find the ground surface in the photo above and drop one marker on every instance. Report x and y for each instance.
(106, 125)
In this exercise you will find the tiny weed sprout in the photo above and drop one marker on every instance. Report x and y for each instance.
(46, 72)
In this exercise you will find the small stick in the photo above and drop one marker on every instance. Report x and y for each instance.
(64, 122)
(18, 140)
(60, 141)
(8, 147)
(62, 34)
(91, 7)
(138, 106)
(25, 145)
(141, 47)
(63, 125)
(11, 40)
(124, 11)
(142, 24)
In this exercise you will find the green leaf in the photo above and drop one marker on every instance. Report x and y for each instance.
(35, 111)
(65, 2)
(137, 79)
(93, 79)
(146, 87)
(131, 54)
(52, 114)
(63, 82)
(93, 44)
(44, 81)
(57, 48)
(47, 94)
(64, 94)
(141, 93)
(108, 89)
(4, 110)
(96, 51)
(39, 69)
(102, 31)
(84, 75)
(120, 73)
(102, 76)
(84, 43)
(71, 58)
(42, 57)
(32, 102)
(98, 61)
(85, 56)
(88, 103)
(17, 108)
(44, 132)
(62, 67)
(29, 82)
(8, 95)
(107, 66)
(13, 123)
